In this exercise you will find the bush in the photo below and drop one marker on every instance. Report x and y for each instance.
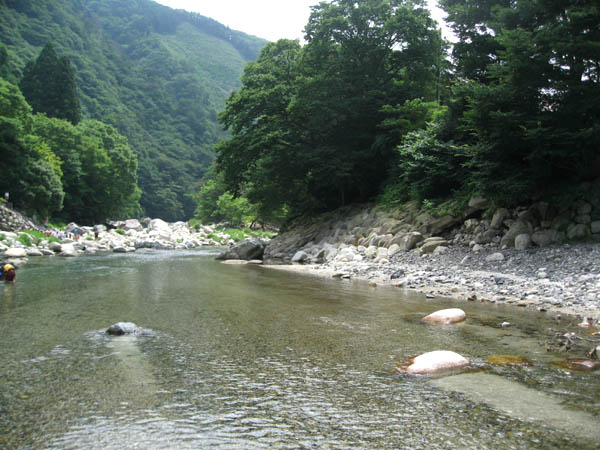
(120, 231)
(25, 240)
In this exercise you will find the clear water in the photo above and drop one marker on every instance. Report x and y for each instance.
(248, 357)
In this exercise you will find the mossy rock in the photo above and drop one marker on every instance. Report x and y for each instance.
(508, 360)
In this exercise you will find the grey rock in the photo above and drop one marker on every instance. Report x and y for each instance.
(34, 252)
(517, 228)
(544, 238)
(441, 224)
(499, 217)
(247, 250)
(577, 231)
(15, 252)
(583, 219)
(411, 240)
(300, 256)
(478, 203)
(133, 224)
(522, 242)
(595, 227)
(431, 244)
(121, 328)
(495, 257)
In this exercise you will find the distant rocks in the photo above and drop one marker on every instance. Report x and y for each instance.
(119, 237)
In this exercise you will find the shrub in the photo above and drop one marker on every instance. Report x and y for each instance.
(120, 231)
(24, 239)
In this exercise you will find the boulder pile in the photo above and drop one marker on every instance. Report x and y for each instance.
(122, 237)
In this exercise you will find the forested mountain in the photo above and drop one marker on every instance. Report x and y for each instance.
(159, 76)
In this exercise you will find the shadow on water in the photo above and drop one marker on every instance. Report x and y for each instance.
(246, 357)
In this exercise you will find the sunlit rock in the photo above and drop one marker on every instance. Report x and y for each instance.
(15, 252)
(435, 362)
(67, 250)
(446, 316)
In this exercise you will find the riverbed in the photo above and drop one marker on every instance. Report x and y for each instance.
(247, 357)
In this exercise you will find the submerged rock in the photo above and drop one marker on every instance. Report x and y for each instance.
(121, 328)
(451, 315)
(582, 365)
(435, 362)
(508, 360)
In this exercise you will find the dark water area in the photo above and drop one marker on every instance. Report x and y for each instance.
(249, 357)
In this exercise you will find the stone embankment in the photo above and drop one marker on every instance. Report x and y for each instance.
(537, 256)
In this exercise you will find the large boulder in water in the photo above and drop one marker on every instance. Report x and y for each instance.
(451, 315)
(436, 362)
(246, 250)
(121, 328)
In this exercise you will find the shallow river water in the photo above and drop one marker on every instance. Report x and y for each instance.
(248, 357)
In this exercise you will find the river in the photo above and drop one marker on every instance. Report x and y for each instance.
(247, 357)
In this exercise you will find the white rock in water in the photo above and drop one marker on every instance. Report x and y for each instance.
(15, 252)
(437, 361)
(451, 315)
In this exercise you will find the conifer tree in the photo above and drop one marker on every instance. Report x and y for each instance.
(49, 86)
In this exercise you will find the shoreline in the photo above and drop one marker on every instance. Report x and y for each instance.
(558, 280)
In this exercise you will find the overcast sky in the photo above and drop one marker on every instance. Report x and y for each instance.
(268, 19)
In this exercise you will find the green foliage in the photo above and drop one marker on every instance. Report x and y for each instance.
(120, 231)
(157, 75)
(48, 163)
(532, 113)
(35, 235)
(308, 126)
(235, 234)
(25, 240)
(49, 86)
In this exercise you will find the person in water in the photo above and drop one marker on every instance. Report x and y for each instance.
(8, 273)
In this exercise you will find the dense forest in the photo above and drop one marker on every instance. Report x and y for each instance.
(156, 75)
(374, 106)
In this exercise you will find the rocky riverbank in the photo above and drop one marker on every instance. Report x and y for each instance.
(120, 237)
(535, 257)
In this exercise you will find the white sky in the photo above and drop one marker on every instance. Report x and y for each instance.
(268, 19)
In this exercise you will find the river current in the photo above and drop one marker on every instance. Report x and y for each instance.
(248, 357)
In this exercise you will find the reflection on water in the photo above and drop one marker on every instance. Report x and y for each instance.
(245, 357)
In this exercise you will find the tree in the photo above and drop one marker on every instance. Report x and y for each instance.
(535, 117)
(305, 123)
(29, 169)
(49, 86)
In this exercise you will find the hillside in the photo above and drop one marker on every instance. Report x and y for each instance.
(158, 75)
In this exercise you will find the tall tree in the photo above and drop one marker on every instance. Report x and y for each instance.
(48, 84)
(536, 117)
(305, 124)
